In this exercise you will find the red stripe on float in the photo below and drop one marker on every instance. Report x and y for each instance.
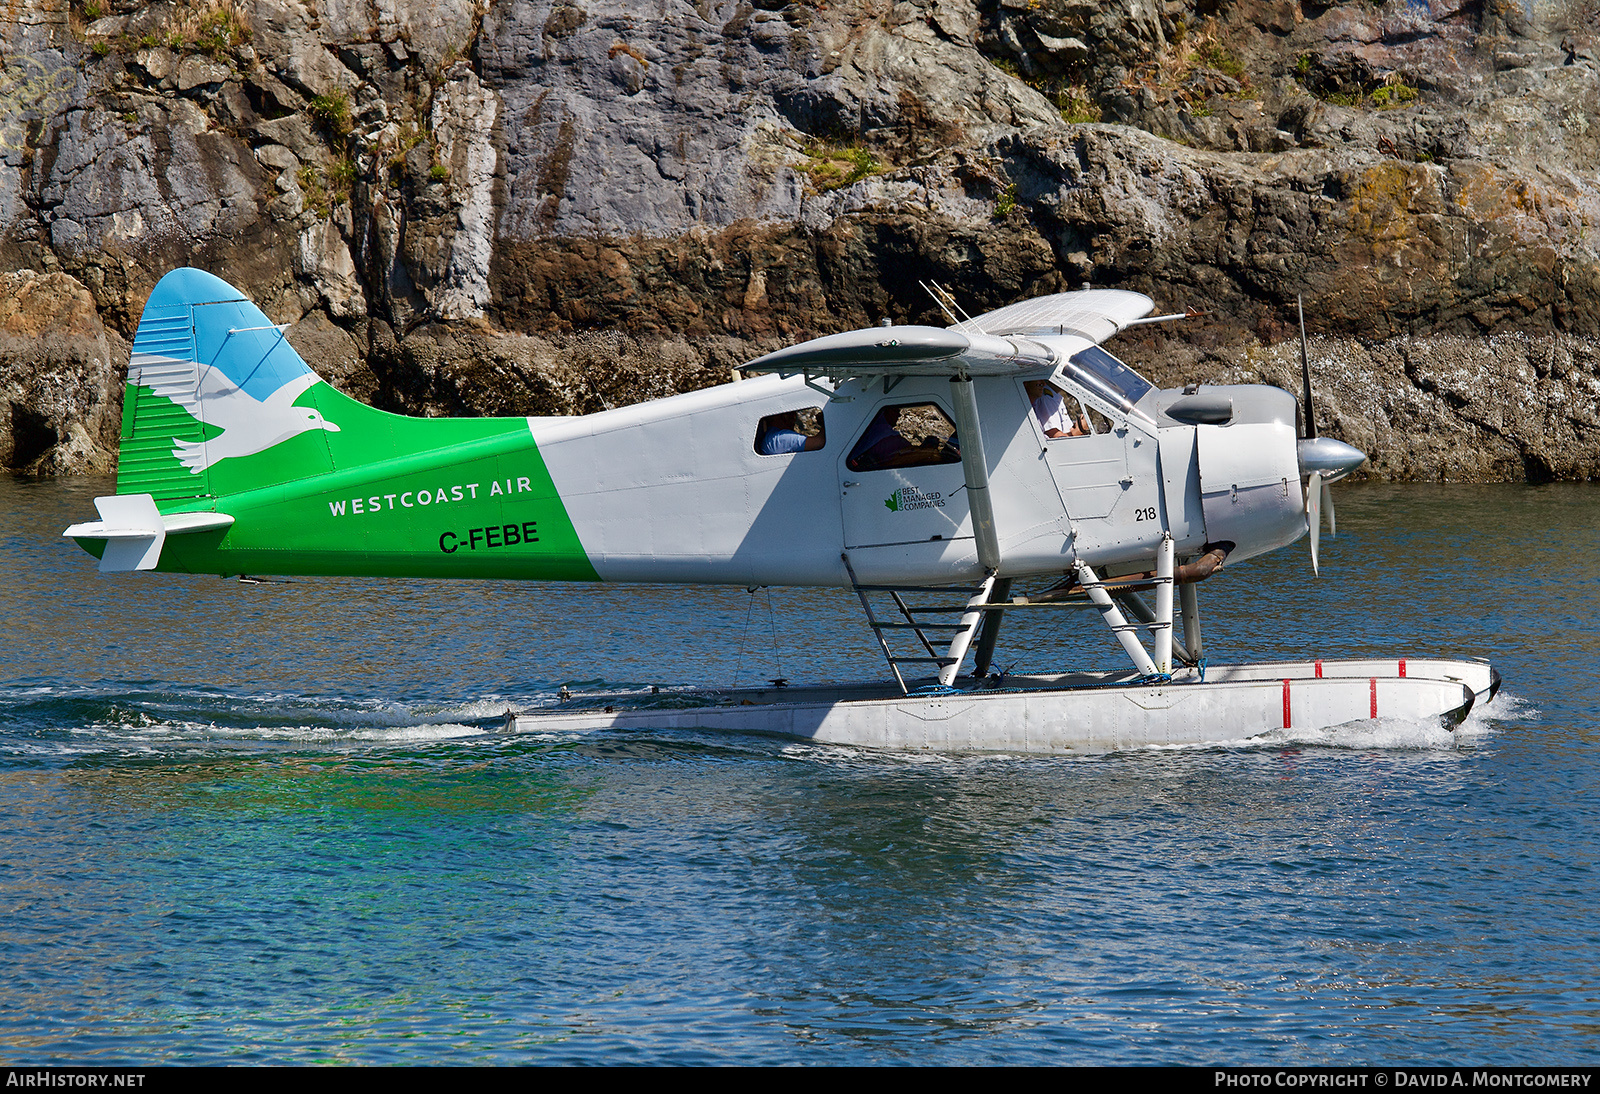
(1402, 670)
(1319, 669)
(1286, 704)
(1373, 681)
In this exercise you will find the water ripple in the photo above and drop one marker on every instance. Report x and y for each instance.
(282, 824)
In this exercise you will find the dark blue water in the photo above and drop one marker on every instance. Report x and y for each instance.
(280, 823)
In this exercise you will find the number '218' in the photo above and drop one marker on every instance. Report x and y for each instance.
(1147, 513)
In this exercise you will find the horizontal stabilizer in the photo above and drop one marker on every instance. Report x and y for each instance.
(905, 351)
(1095, 314)
(135, 530)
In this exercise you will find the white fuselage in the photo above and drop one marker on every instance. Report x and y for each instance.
(675, 490)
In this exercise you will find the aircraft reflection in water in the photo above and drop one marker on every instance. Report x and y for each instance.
(910, 461)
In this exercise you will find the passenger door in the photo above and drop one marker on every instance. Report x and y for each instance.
(901, 481)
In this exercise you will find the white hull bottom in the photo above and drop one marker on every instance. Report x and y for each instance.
(1070, 713)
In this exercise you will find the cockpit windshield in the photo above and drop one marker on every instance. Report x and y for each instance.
(1109, 378)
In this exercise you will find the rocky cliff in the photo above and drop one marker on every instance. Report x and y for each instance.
(486, 208)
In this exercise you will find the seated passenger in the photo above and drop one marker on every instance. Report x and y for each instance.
(884, 446)
(782, 436)
(882, 441)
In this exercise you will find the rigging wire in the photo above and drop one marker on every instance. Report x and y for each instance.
(750, 603)
(777, 655)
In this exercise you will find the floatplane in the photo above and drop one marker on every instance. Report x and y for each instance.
(935, 471)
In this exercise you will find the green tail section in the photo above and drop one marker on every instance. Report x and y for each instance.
(221, 414)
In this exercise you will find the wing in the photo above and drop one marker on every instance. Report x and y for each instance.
(1095, 314)
(215, 384)
(192, 454)
(905, 351)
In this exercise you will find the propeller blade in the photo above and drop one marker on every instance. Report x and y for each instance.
(1305, 372)
(1314, 490)
(1317, 454)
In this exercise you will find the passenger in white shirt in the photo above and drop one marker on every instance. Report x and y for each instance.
(1050, 407)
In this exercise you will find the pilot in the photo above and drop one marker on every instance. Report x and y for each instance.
(783, 437)
(1050, 407)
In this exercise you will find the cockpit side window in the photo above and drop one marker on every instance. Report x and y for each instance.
(1059, 413)
(905, 435)
(791, 431)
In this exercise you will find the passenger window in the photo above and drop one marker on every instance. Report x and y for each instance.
(1058, 413)
(791, 431)
(908, 435)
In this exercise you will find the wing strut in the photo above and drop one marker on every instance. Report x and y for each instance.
(976, 467)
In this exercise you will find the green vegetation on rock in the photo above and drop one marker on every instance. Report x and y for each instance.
(830, 166)
(332, 112)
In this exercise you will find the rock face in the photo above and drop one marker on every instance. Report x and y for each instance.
(533, 207)
(61, 393)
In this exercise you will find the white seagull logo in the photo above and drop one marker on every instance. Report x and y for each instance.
(249, 425)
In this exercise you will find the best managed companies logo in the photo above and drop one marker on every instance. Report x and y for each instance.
(909, 497)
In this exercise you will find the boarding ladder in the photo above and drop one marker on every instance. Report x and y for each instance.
(960, 634)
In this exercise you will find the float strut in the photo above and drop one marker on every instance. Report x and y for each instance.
(1162, 626)
(872, 621)
(969, 627)
(1114, 619)
(991, 629)
(1146, 614)
(1189, 601)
